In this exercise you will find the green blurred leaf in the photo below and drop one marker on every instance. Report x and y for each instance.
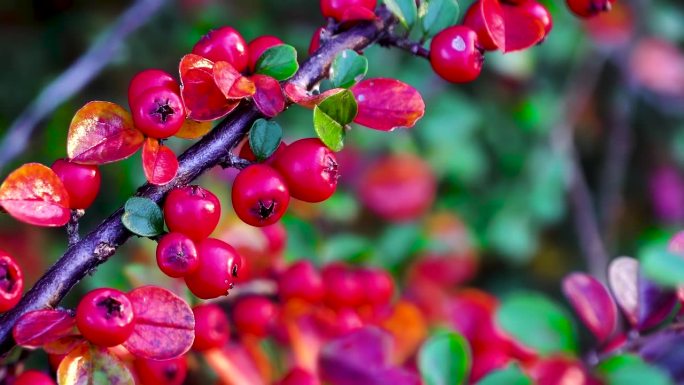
(512, 234)
(405, 10)
(512, 375)
(347, 69)
(437, 15)
(662, 266)
(345, 247)
(537, 322)
(444, 359)
(331, 117)
(279, 62)
(628, 369)
(396, 244)
(264, 138)
(143, 217)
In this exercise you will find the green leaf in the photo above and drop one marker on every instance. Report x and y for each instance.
(332, 115)
(405, 10)
(512, 375)
(279, 62)
(143, 217)
(444, 359)
(348, 68)
(537, 322)
(264, 138)
(662, 266)
(345, 247)
(628, 369)
(437, 15)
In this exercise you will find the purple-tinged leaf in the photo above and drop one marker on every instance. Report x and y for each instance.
(622, 277)
(666, 350)
(655, 303)
(593, 303)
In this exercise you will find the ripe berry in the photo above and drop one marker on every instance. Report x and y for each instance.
(177, 255)
(299, 376)
(309, 169)
(473, 19)
(276, 236)
(337, 8)
(218, 268)
(258, 46)
(151, 78)
(193, 211)
(537, 11)
(105, 317)
(11, 282)
(378, 286)
(247, 153)
(33, 377)
(455, 54)
(342, 288)
(81, 181)
(167, 372)
(259, 195)
(223, 44)
(589, 8)
(211, 327)
(158, 112)
(302, 281)
(254, 316)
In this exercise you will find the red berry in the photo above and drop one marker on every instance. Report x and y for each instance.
(473, 19)
(342, 288)
(11, 282)
(247, 153)
(167, 372)
(589, 8)
(211, 327)
(276, 236)
(105, 317)
(33, 377)
(299, 376)
(223, 44)
(193, 211)
(309, 168)
(218, 268)
(260, 197)
(81, 181)
(177, 255)
(539, 12)
(337, 8)
(301, 280)
(158, 112)
(378, 286)
(254, 316)
(258, 46)
(455, 54)
(151, 78)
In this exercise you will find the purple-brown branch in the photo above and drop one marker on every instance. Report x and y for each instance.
(100, 244)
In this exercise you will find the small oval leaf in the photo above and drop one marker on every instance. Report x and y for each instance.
(202, 98)
(304, 98)
(405, 10)
(331, 117)
(193, 129)
(445, 359)
(593, 303)
(159, 162)
(328, 130)
(279, 62)
(656, 303)
(92, 365)
(231, 82)
(385, 104)
(512, 375)
(268, 97)
(347, 69)
(662, 266)
(264, 138)
(37, 328)
(143, 217)
(438, 15)
(623, 273)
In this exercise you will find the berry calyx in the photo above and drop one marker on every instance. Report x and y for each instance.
(337, 8)
(167, 372)
(218, 269)
(254, 316)
(211, 327)
(150, 78)
(310, 170)
(589, 8)
(158, 112)
(258, 46)
(259, 195)
(342, 288)
(455, 54)
(33, 377)
(81, 181)
(224, 44)
(105, 317)
(11, 282)
(177, 255)
(193, 211)
(301, 280)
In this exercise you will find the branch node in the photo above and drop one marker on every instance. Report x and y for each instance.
(104, 250)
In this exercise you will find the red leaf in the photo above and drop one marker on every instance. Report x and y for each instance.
(304, 98)
(233, 365)
(231, 82)
(203, 99)
(34, 194)
(385, 104)
(493, 19)
(164, 324)
(37, 328)
(593, 303)
(523, 30)
(159, 162)
(269, 97)
(102, 132)
(356, 13)
(63, 345)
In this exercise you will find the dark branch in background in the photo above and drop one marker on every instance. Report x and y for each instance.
(101, 243)
(75, 77)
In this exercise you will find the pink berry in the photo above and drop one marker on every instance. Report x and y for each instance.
(455, 54)
(224, 44)
(177, 255)
(309, 168)
(158, 112)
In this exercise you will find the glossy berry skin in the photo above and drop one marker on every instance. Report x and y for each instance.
(302, 281)
(82, 182)
(212, 328)
(473, 20)
(589, 8)
(11, 282)
(258, 46)
(105, 317)
(254, 316)
(539, 12)
(218, 268)
(259, 195)
(193, 211)
(378, 286)
(337, 8)
(247, 153)
(167, 372)
(455, 54)
(177, 255)
(33, 377)
(224, 44)
(342, 286)
(298, 376)
(158, 112)
(150, 78)
(309, 168)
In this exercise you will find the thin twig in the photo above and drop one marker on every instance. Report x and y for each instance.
(75, 77)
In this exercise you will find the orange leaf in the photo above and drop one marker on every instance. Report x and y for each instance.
(409, 328)
(385, 104)
(203, 99)
(89, 364)
(34, 194)
(269, 97)
(231, 82)
(233, 365)
(193, 129)
(102, 132)
(159, 162)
